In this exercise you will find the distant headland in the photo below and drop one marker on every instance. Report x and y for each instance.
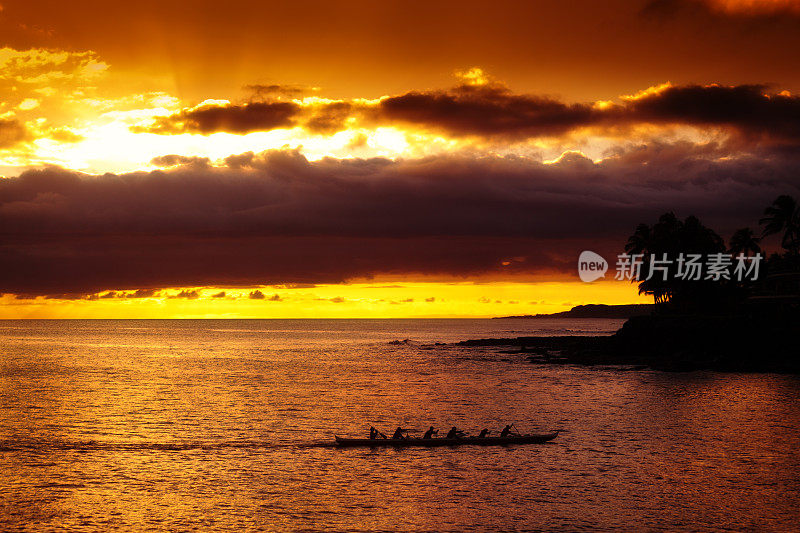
(594, 311)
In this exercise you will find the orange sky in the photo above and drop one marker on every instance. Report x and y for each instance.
(175, 147)
(579, 50)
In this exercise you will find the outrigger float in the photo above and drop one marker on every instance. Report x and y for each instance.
(459, 441)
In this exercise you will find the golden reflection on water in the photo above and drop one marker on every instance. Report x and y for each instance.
(182, 426)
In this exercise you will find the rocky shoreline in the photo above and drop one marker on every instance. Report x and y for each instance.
(671, 343)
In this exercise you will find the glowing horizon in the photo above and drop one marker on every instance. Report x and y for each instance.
(362, 300)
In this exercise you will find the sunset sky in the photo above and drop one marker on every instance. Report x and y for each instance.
(374, 159)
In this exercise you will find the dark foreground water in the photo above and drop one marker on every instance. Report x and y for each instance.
(225, 425)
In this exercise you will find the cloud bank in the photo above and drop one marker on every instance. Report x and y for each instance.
(277, 218)
(491, 110)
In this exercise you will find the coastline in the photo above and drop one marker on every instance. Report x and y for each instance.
(669, 343)
(592, 311)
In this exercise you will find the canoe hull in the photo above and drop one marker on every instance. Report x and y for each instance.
(432, 443)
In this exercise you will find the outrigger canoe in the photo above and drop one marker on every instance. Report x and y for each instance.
(462, 441)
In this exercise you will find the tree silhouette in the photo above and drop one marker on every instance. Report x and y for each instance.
(783, 216)
(667, 239)
(744, 242)
(641, 240)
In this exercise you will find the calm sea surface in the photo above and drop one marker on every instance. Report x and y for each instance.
(225, 425)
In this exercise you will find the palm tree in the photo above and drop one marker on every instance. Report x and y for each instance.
(672, 236)
(783, 215)
(641, 240)
(744, 242)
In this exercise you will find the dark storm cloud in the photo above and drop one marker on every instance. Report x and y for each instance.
(278, 218)
(255, 116)
(486, 111)
(492, 111)
(251, 117)
(465, 110)
(745, 107)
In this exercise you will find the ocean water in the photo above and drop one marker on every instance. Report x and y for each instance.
(214, 425)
